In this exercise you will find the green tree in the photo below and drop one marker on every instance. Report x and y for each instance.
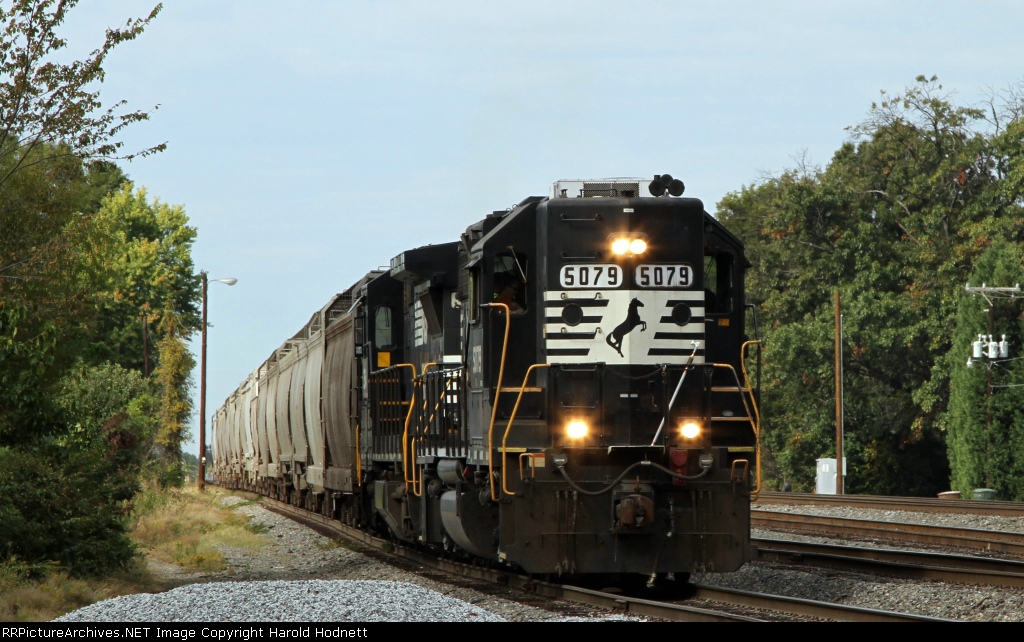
(74, 431)
(985, 421)
(894, 223)
(56, 506)
(153, 272)
(64, 497)
(54, 107)
(174, 375)
(53, 261)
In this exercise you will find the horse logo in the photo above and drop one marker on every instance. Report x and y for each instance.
(632, 320)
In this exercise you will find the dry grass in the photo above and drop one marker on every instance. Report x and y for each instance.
(23, 600)
(181, 527)
(185, 527)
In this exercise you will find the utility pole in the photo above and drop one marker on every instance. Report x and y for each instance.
(839, 399)
(989, 294)
(988, 347)
(988, 382)
(202, 396)
(201, 483)
(145, 344)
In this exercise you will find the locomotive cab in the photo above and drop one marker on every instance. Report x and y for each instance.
(622, 434)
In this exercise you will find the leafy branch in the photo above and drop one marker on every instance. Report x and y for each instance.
(52, 105)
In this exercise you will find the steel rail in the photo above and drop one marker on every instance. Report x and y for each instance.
(911, 504)
(809, 608)
(970, 538)
(918, 565)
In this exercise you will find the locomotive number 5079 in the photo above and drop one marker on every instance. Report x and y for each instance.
(663, 276)
(606, 275)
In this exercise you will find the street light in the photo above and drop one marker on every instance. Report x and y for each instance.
(202, 383)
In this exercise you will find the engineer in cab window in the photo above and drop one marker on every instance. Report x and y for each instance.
(506, 290)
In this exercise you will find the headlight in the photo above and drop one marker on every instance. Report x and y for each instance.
(631, 243)
(690, 429)
(577, 429)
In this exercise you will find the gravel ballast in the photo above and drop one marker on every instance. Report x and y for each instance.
(284, 601)
(300, 576)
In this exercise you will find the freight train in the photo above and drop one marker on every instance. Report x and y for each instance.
(564, 390)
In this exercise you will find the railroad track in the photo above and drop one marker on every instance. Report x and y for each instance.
(805, 609)
(913, 504)
(991, 541)
(998, 562)
(916, 565)
(700, 604)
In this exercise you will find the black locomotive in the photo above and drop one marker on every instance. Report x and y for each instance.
(563, 390)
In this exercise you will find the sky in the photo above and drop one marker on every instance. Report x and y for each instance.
(311, 141)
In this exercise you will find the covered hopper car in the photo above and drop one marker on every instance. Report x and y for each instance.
(562, 390)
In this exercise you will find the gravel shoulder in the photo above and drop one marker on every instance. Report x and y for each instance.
(302, 576)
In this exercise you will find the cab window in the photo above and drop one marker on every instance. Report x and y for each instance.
(718, 271)
(382, 334)
(509, 279)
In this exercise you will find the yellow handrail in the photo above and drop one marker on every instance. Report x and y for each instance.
(512, 418)
(755, 421)
(533, 458)
(417, 483)
(732, 470)
(743, 397)
(418, 383)
(756, 492)
(417, 488)
(359, 458)
(405, 434)
(440, 400)
(497, 394)
(746, 378)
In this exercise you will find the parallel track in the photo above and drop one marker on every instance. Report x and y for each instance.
(1006, 542)
(915, 565)
(992, 569)
(913, 504)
